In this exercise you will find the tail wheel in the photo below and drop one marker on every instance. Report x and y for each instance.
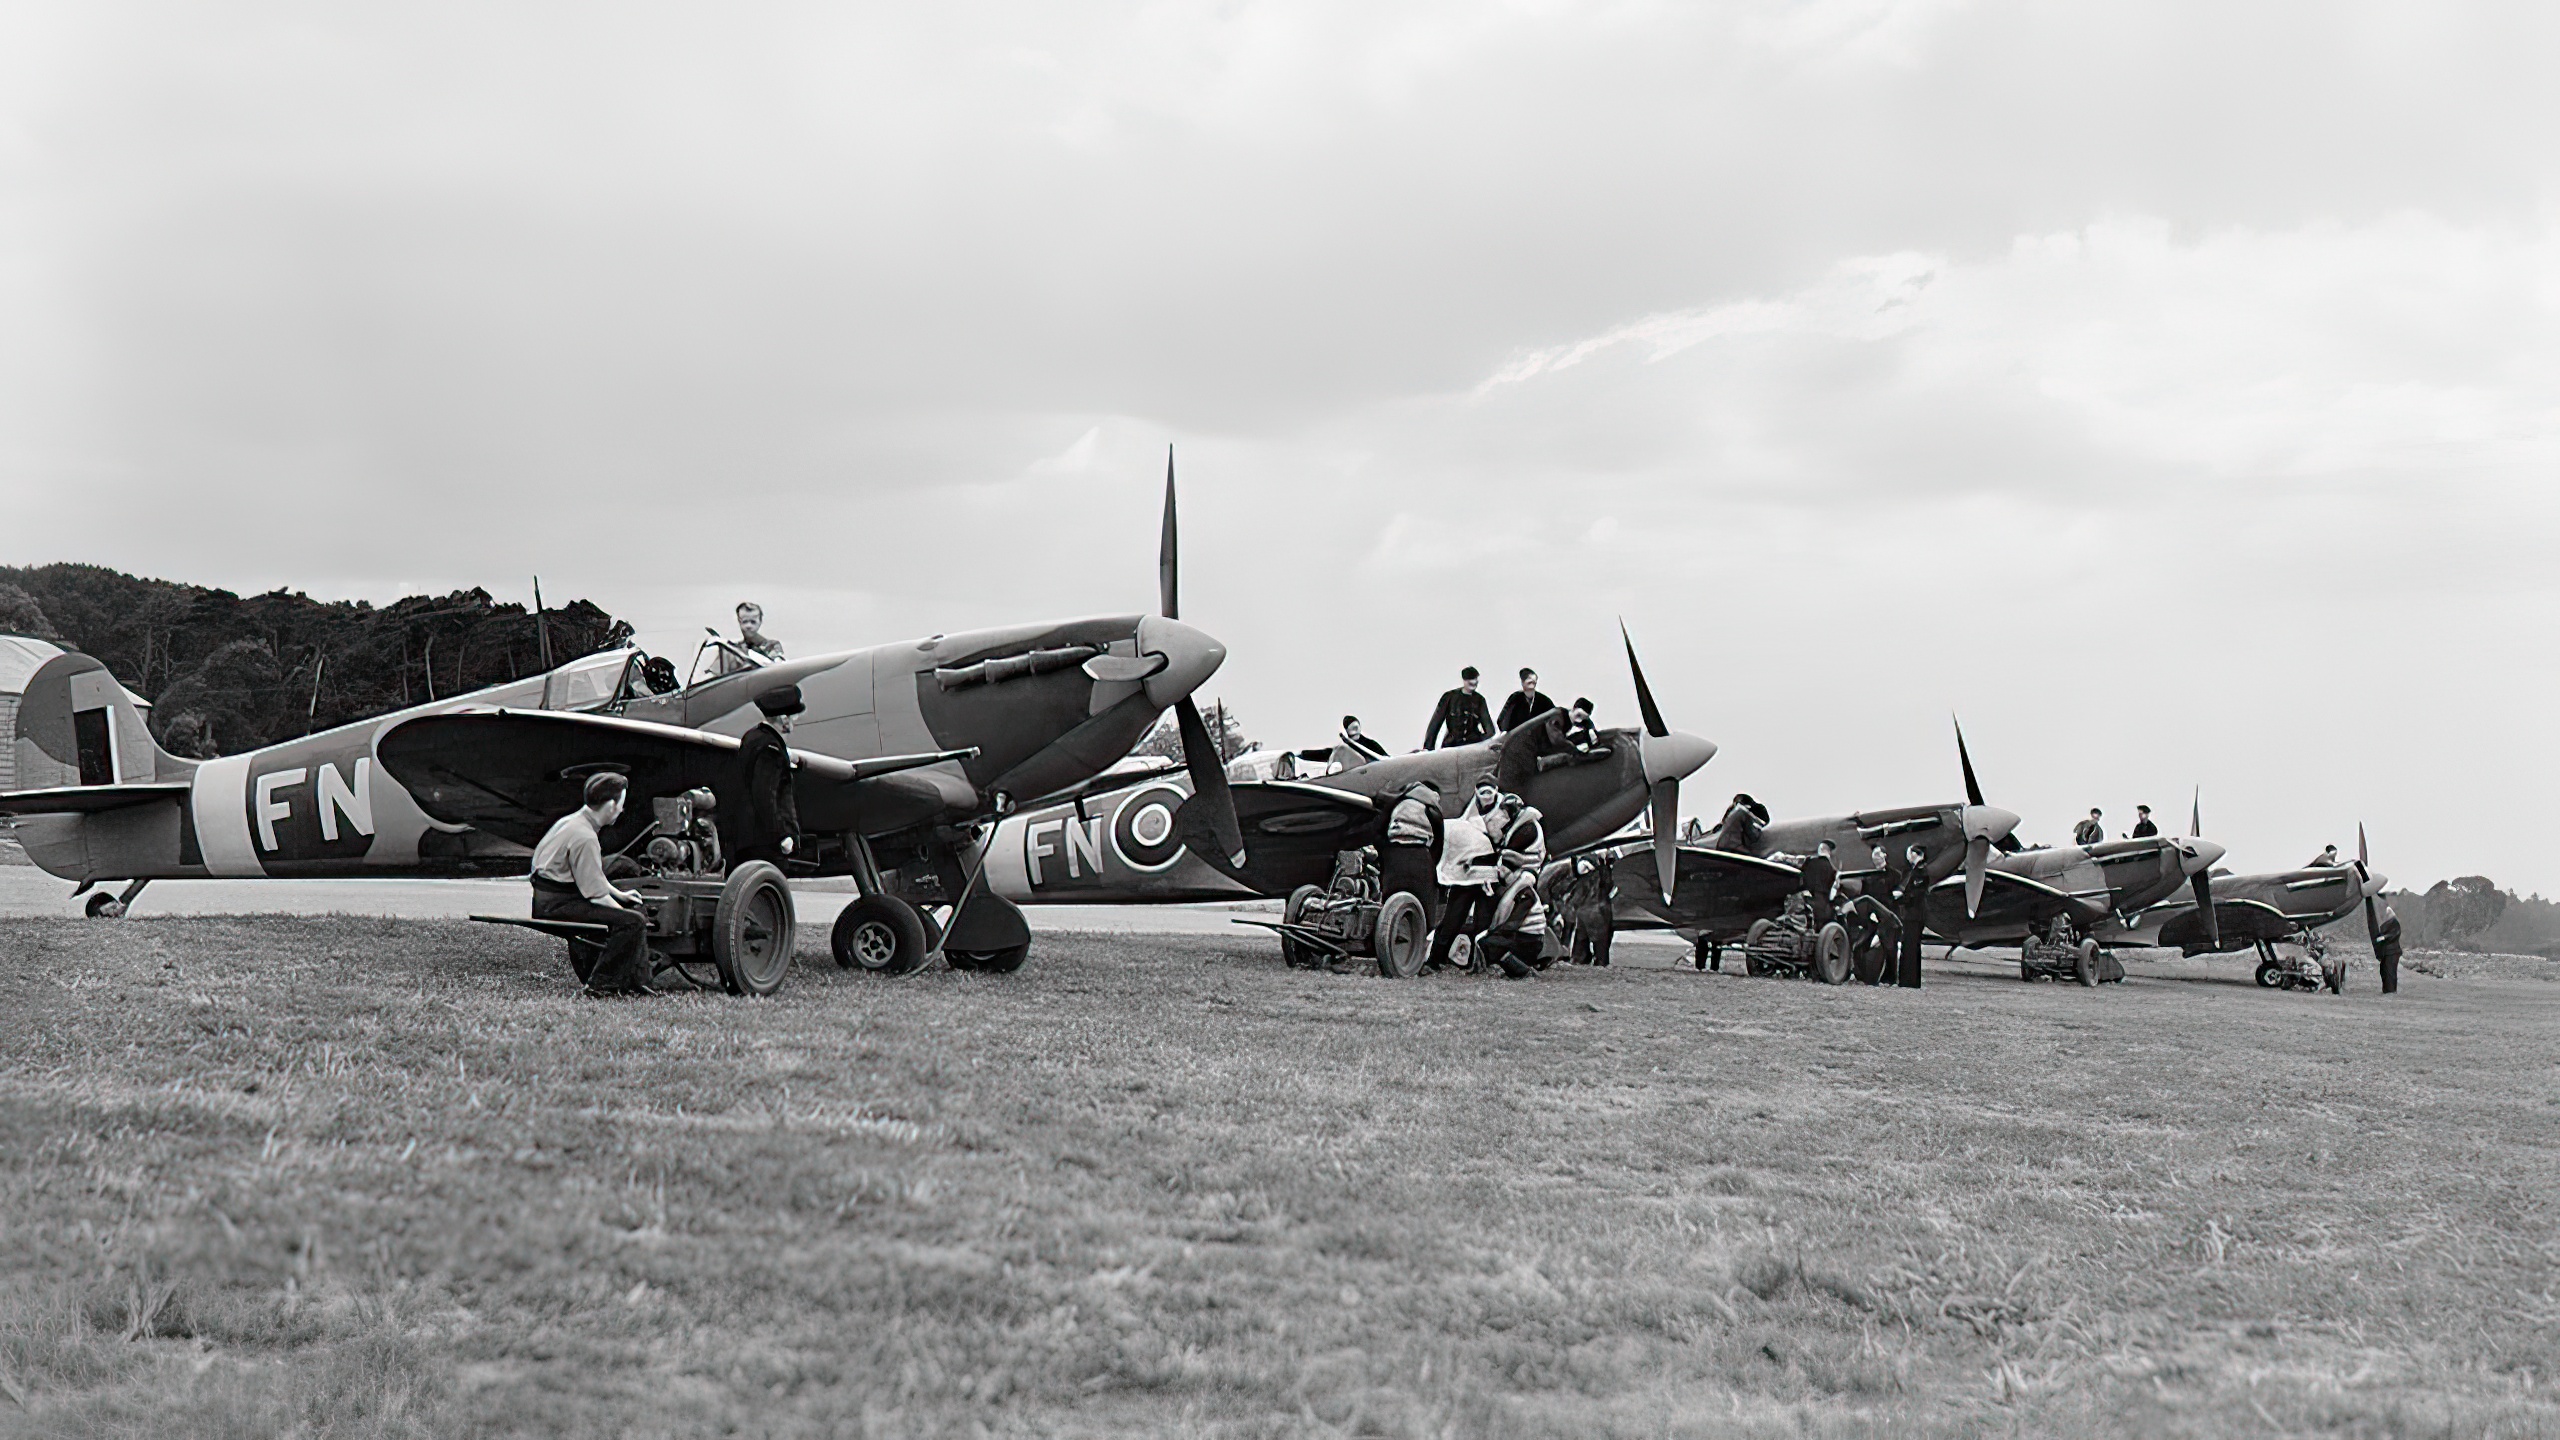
(103, 906)
(2084, 963)
(1295, 913)
(1404, 936)
(752, 930)
(1831, 954)
(882, 934)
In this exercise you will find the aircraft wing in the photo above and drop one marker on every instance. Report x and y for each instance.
(513, 772)
(1714, 891)
(90, 799)
(1292, 831)
(2242, 923)
(2007, 900)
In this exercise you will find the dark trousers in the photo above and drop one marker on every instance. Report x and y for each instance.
(2386, 958)
(1408, 867)
(1592, 931)
(624, 961)
(1470, 911)
(1914, 921)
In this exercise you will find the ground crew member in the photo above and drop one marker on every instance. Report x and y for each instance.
(1412, 847)
(2091, 831)
(1821, 878)
(2326, 859)
(569, 884)
(1739, 833)
(1367, 748)
(1515, 933)
(1462, 713)
(1586, 900)
(2143, 829)
(772, 828)
(1524, 704)
(2386, 950)
(1468, 871)
(1911, 907)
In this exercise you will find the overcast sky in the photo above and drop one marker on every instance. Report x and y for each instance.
(2171, 388)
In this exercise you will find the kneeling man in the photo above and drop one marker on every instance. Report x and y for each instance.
(569, 884)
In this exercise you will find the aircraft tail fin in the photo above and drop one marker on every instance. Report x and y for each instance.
(77, 726)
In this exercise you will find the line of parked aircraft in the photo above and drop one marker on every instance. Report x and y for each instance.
(958, 777)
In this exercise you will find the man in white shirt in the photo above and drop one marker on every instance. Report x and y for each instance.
(569, 884)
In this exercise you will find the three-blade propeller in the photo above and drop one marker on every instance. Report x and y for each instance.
(2371, 884)
(1985, 826)
(1199, 752)
(1667, 755)
(2200, 876)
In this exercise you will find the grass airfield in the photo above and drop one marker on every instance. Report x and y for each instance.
(393, 1177)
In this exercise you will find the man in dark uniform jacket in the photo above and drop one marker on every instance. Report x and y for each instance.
(1911, 906)
(1462, 713)
(2143, 829)
(1821, 875)
(772, 827)
(1524, 704)
(2386, 950)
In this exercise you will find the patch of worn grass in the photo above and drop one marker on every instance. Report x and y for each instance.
(394, 1178)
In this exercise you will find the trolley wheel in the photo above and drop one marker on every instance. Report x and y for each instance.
(752, 929)
(2269, 976)
(882, 934)
(1751, 938)
(2084, 963)
(1294, 913)
(990, 962)
(103, 906)
(1403, 935)
(1831, 954)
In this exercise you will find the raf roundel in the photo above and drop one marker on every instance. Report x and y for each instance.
(1142, 828)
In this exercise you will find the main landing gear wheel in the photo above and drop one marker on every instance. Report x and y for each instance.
(1404, 936)
(2084, 964)
(1831, 954)
(1297, 956)
(103, 906)
(989, 962)
(752, 930)
(882, 934)
(2270, 975)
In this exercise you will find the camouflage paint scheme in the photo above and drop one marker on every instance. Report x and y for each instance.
(2091, 884)
(465, 785)
(1720, 892)
(2249, 909)
(1112, 849)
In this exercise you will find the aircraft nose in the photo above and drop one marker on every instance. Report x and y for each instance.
(2198, 856)
(1675, 756)
(1988, 822)
(2374, 880)
(1191, 657)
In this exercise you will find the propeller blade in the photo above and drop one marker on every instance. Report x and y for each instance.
(2195, 817)
(1209, 780)
(1644, 693)
(2009, 844)
(1169, 552)
(2372, 923)
(2362, 858)
(1977, 861)
(1666, 835)
(2202, 884)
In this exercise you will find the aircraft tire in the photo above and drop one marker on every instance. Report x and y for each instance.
(2084, 964)
(1404, 936)
(2268, 975)
(882, 934)
(990, 962)
(752, 930)
(1831, 954)
(103, 906)
(1295, 911)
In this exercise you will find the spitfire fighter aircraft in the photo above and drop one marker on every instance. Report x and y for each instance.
(2261, 912)
(1155, 842)
(2053, 904)
(1721, 893)
(898, 754)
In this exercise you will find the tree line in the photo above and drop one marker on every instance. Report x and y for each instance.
(226, 673)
